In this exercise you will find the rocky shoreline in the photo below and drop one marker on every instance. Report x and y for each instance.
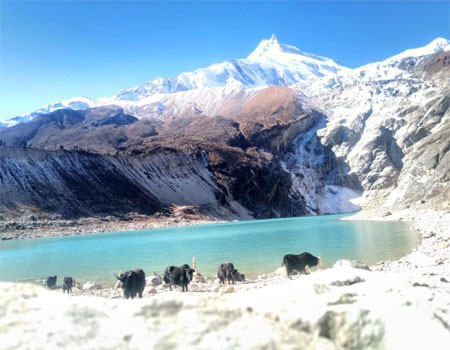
(392, 305)
(31, 227)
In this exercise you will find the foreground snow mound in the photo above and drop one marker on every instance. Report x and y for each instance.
(339, 308)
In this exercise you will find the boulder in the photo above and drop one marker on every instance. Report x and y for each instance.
(91, 286)
(229, 289)
(154, 280)
(351, 263)
(350, 330)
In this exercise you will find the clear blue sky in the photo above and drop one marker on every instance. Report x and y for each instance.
(56, 50)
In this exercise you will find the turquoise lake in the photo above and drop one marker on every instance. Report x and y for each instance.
(253, 246)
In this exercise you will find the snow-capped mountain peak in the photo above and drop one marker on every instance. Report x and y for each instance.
(271, 63)
(272, 49)
(303, 65)
(76, 103)
(439, 44)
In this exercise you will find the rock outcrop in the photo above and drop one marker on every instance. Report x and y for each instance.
(390, 122)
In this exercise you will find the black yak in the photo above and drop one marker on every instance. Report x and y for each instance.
(239, 277)
(67, 284)
(133, 283)
(51, 281)
(228, 272)
(300, 262)
(180, 276)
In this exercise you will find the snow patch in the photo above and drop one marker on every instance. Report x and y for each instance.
(339, 200)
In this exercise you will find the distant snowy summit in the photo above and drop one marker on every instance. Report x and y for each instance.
(437, 45)
(271, 63)
(76, 103)
(305, 65)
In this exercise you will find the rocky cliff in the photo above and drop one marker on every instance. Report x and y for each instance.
(393, 131)
(74, 184)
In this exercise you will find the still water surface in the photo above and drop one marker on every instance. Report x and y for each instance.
(253, 246)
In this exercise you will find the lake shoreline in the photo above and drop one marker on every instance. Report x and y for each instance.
(391, 305)
(30, 229)
(432, 253)
(434, 228)
(429, 224)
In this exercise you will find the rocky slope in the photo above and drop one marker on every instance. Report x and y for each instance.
(237, 161)
(80, 184)
(390, 122)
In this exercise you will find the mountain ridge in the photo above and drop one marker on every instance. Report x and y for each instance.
(373, 137)
(243, 69)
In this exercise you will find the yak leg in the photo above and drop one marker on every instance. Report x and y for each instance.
(288, 272)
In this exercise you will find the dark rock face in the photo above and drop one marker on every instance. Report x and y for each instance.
(71, 184)
(76, 184)
(258, 183)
